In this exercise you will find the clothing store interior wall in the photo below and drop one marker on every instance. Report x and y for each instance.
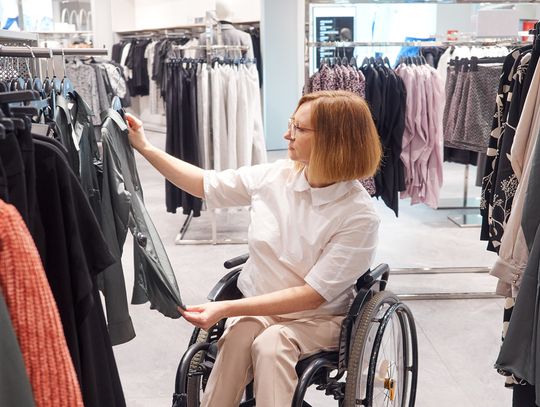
(100, 254)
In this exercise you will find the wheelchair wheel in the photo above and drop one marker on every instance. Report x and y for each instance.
(383, 358)
(195, 384)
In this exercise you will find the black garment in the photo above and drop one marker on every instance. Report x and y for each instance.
(498, 129)
(432, 55)
(74, 253)
(154, 276)
(140, 81)
(523, 395)
(26, 145)
(456, 155)
(12, 161)
(116, 52)
(15, 389)
(386, 97)
(256, 41)
(182, 134)
(138, 84)
(504, 179)
(4, 195)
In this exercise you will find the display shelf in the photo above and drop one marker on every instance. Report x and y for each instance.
(17, 36)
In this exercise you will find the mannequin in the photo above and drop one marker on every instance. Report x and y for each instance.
(223, 12)
(229, 34)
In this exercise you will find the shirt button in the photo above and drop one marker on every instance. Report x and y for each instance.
(141, 239)
(136, 187)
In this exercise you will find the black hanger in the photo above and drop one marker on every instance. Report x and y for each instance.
(24, 110)
(16, 97)
(7, 123)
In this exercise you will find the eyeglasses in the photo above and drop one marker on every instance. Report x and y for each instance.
(293, 128)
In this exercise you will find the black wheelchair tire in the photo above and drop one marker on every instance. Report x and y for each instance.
(194, 383)
(359, 342)
(194, 387)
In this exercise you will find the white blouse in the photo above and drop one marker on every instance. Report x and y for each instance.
(325, 237)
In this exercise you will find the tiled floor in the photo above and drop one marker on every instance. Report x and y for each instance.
(458, 339)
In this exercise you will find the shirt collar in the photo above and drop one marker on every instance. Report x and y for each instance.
(320, 196)
(114, 115)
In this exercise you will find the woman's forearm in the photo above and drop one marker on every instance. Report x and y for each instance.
(184, 175)
(285, 301)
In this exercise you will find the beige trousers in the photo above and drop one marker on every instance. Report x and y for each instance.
(266, 350)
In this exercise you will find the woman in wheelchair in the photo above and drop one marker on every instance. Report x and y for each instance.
(313, 231)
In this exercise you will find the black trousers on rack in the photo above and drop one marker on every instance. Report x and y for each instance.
(182, 131)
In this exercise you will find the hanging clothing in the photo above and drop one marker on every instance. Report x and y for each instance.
(513, 251)
(344, 78)
(519, 351)
(386, 96)
(203, 116)
(156, 101)
(74, 252)
(422, 137)
(35, 317)
(154, 276)
(15, 389)
(83, 78)
(13, 165)
(182, 132)
(502, 178)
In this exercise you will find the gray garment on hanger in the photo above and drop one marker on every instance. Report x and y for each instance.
(520, 351)
(229, 36)
(475, 110)
(15, 389)
(122, 194)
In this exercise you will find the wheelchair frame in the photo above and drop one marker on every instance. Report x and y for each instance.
(315, 369)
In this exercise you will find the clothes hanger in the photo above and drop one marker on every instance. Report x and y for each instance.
(66, 86)
(15, 97)
(116, 104)
(17, 83)
(36, 83)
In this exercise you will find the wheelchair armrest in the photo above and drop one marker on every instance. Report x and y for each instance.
(236, 261)
(226, 288)
(382, 271)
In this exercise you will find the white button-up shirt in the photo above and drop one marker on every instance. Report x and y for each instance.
(325, 237)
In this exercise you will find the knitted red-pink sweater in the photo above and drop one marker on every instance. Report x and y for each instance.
(34, 315)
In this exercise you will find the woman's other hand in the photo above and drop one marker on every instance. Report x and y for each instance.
(137, 137)
(205, 315)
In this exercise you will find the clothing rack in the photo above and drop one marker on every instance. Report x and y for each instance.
(503, 41)
(212, 30)
(40, 52)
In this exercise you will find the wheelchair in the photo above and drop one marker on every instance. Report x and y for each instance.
(376, 363)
